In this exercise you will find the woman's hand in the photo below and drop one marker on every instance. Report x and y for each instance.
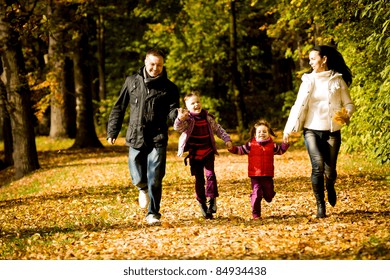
(285, 138)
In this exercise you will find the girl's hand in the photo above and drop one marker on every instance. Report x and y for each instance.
(182, 114)
(229, 145)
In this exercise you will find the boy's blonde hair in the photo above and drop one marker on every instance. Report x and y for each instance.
(191, 94)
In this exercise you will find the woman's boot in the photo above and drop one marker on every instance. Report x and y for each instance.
(332, 197)
(320, 199)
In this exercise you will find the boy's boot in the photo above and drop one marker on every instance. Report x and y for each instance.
(212, 205)
(320, 200)
(332, 197)
(204, 210)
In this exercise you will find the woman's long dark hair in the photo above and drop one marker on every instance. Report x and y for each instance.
(335, 61)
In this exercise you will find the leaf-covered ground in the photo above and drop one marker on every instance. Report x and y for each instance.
(81, 205)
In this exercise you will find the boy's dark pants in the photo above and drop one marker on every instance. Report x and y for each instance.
(200, 168)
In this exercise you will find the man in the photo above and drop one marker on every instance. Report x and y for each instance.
(153, 98)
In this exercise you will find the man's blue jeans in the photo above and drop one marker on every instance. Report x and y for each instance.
(147, 170)
(323, 148)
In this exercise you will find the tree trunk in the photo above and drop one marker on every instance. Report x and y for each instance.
(56, 74)
(70, 98)
(101, 57)
(7, 133)
(86, 134)
(281, 71)
(25, 153)
(101, 123)
(236, 80)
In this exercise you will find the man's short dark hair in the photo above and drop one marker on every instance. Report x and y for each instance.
(156, 52)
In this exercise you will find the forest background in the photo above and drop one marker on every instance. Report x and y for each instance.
(62, 66)
(64, 62)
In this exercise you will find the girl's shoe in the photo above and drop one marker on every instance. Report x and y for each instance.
(212, 205)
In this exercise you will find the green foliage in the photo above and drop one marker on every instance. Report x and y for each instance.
(102, 114)
(360, 29)
(212, 105)
(196, 37)
(371, 65)
(369, 128)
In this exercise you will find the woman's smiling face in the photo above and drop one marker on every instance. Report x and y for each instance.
(317, 62)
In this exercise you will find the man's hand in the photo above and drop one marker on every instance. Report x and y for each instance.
(111, 141)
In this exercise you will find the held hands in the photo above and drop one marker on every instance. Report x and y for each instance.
(285, 138)
(229, 145)
(182, 114)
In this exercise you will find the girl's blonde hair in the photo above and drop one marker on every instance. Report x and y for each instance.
(257, 124)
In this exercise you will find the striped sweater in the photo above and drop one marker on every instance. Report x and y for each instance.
(187, 126)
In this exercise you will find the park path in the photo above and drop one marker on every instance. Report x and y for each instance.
(81, 206)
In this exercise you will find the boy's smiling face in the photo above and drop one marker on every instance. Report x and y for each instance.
(193, 104)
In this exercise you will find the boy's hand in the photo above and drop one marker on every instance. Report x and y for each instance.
(229, 145)
(182, 114)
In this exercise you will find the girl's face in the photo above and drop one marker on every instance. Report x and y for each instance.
(262, 133)
(317, 62)
(193, 104)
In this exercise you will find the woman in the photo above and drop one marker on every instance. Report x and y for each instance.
(322, 106)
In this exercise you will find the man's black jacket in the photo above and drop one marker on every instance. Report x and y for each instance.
(152, 103)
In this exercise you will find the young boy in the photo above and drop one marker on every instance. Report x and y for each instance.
(197, 130)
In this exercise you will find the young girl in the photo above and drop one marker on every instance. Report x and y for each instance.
(197, 130)
(260, 150)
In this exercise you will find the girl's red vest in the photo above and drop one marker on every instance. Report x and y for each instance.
(261, 159)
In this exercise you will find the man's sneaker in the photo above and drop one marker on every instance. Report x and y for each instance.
(205, 213)
(152, 220)
(212, 205)
(143, 199)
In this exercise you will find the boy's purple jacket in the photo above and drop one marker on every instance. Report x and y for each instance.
(185, 128)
